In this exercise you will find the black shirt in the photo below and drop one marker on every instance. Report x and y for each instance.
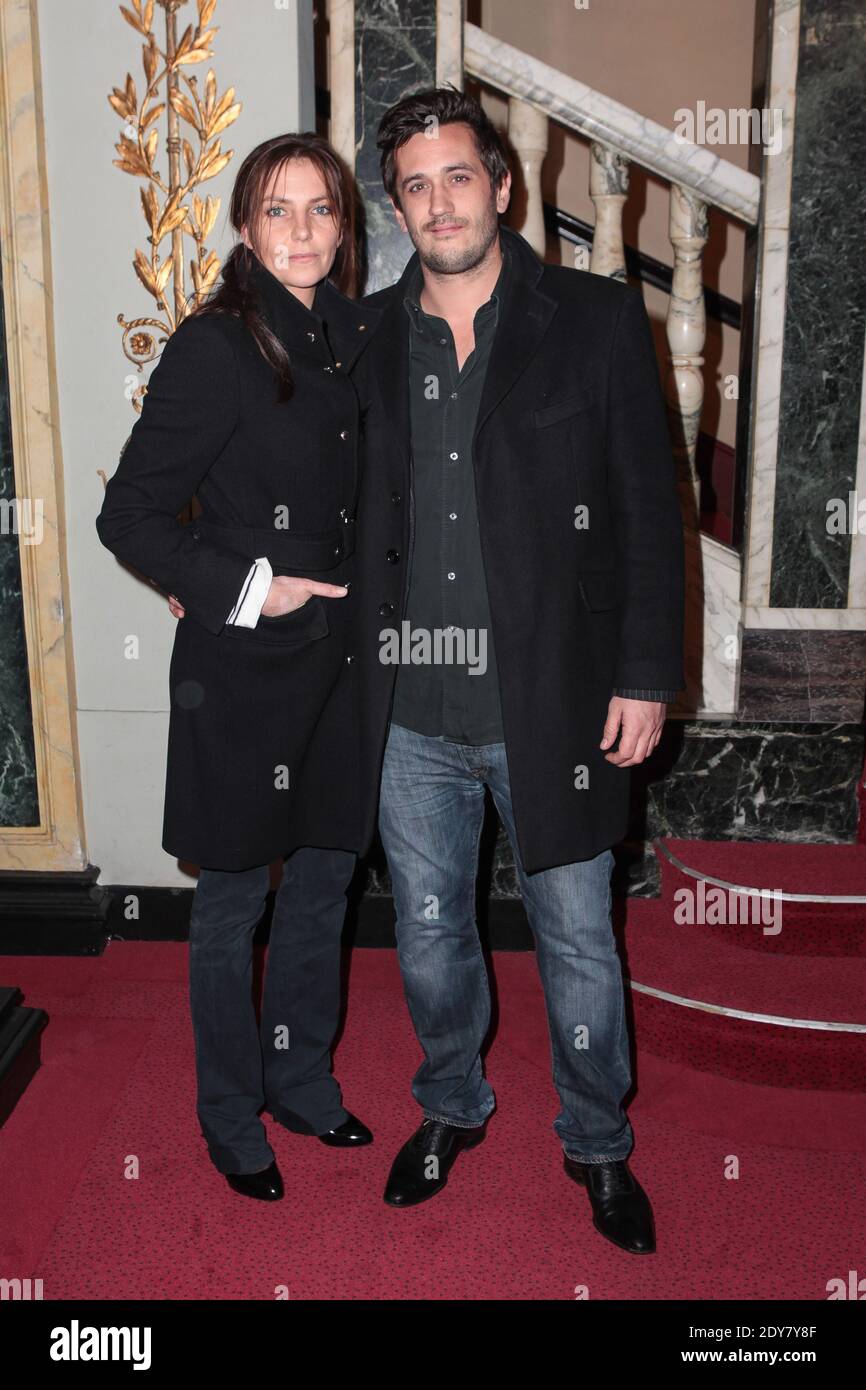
(456, 693)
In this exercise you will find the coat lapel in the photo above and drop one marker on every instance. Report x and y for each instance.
(389, 359)
(526, 316)
(347, 324)
(524, 321)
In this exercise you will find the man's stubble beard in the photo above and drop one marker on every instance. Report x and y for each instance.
(457, 261)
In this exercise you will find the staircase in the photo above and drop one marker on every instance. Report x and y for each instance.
(752, 963)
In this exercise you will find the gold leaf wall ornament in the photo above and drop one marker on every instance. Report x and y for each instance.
(165, 202)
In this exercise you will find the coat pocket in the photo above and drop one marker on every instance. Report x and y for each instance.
(563, 409)
(305, 624)
(600, 591)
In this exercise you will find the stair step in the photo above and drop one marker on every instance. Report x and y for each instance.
(20, 1048)
(762, 1054)
(702, 1000)
(810, 872)
(811, 917)
(694, 963)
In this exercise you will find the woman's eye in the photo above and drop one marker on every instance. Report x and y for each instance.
(323, 208)
(274, 209)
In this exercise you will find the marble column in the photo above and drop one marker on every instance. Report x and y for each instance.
(395, 54)
(804, 637)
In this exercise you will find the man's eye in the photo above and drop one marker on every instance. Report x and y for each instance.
(275, 209)
(458, 177)
(414, 187)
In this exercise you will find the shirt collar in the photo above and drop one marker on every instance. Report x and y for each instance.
(493, 306)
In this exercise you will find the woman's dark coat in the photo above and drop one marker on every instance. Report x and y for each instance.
(262, 746)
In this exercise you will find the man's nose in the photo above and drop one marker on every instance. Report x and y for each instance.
(441, 201)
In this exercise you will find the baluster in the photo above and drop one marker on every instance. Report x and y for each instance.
(450, 24)
(608, 186)
(686, 334)
(341, 63)
(527, 131)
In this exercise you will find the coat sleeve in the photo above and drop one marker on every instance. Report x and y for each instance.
(645, 510)
(187, 417)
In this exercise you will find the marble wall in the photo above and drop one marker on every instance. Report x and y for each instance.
(825, 321)
(395, 53)
(804, 619)
(19, 799)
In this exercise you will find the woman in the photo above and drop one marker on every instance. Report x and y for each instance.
(250, 408)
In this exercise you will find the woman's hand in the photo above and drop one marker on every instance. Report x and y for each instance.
(288, 593)
(284, 596)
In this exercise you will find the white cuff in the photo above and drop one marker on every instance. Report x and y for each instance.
(253, 594)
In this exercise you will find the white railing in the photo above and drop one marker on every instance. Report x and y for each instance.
(620, 137)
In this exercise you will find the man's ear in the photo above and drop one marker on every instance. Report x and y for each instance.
(503, 197)
(401, 221)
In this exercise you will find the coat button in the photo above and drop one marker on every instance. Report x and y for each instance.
(328, 369)
(385, 610)
(344, 434)
(396, 498)
(311, 336)
(392, 557)
(350, 658)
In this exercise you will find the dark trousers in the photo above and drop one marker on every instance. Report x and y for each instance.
(285, 1065)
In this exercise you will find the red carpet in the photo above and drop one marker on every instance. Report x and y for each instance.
(117, 1081)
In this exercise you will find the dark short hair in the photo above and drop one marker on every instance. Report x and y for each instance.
(412, 116)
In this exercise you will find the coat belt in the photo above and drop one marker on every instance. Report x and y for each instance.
(317, 550)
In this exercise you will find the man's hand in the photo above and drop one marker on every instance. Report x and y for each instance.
(642, 723)
(284, 596)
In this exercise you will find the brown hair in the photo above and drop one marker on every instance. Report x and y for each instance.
(444, 106)
(235, 294)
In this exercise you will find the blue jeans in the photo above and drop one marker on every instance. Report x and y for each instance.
(285, 1063)
(430, 819)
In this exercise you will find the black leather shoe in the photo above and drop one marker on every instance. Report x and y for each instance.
(351, 1134)
(408, 1182)
(266, 1185)
(621, 1208)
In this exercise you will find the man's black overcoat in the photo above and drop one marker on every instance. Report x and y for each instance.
(580, 531)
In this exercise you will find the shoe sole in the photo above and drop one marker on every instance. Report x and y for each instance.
(343, 1143)
(255, 1196)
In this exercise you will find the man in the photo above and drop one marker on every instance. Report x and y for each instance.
(522, 580)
